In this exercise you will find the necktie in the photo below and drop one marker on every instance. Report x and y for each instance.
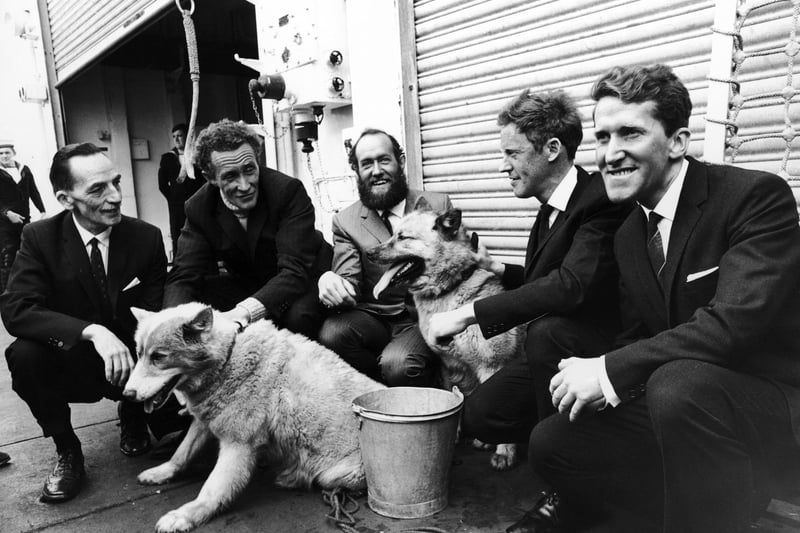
(99, 274)
(386, 222)
(545, 210)
(655, 248)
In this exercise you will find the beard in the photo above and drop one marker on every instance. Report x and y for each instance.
(396, 193)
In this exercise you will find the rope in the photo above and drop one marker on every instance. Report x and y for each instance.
(738, 101)
(343, 506)
(187, 168)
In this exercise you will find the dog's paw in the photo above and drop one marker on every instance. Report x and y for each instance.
(158, 475)
(480, 445)
(505, 457)
(174, 521)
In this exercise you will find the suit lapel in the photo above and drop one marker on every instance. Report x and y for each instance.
(118, 247)
(75, 253)
(231, 227)
(694, 193)
(255, 224)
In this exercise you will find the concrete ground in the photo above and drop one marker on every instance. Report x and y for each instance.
(481, 500)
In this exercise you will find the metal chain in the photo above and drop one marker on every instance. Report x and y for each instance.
(260, 121)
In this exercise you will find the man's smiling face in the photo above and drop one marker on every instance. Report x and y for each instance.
(634, 153)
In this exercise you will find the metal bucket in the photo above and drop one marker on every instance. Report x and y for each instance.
(407, 438)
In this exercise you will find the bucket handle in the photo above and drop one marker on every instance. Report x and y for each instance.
(383, 417)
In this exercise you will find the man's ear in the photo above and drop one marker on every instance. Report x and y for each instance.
(447, 224)
(552, 148)
(679, 143)
(65, 199)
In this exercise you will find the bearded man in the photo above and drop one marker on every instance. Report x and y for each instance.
(379, 337)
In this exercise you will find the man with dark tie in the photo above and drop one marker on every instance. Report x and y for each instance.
(566, 289)
(702, 396)
(68, 304)
(378, 337)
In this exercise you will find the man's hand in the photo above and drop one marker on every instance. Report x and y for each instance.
(239, 315)
(335, 291)
(116, 356)
(442, 326)
(487, 262)
(15, 218)
(576, 388)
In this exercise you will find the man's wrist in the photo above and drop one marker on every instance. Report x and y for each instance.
(251, 310)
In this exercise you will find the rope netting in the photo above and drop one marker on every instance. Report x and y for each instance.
(739, 101)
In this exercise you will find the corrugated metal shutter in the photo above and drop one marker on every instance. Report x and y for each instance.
(767, 30)
(81, 31)
(473, 56)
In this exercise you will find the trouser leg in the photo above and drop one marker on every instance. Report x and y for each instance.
(357, 337)
(406, 360)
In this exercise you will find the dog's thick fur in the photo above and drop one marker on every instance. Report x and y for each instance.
(433, 256)
(263, 390)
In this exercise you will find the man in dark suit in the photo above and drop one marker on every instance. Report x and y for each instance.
(258, 225)
(17, 190)
(175, 184)
(381, 337)
(68, 303)
(566, 290)
(703, 393)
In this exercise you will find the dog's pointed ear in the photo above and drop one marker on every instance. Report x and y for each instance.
(473, 242)
(422, 204)
(140, 314)
(200, 323)
(448, 223)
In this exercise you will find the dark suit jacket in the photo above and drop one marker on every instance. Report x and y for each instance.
(276, 261)
(356, 230)
(17, 197)
(570, 273)
(176, 193)
(732, 283)
(51, 295)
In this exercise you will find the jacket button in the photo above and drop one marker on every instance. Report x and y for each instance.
(60, 344)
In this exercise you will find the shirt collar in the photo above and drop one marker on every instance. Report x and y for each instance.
(668, 205)
(398, 210)
(563, 191)
(86, 235)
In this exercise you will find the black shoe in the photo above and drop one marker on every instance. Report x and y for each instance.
(543, 518)
(4, 459)
(67, 477)
(134, 439)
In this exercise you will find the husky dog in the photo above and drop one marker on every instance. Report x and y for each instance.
(433, 256)
(263, 389)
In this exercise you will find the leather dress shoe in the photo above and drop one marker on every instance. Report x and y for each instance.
(4, 459)
(134, 439)
(64, 483)
(543, 518)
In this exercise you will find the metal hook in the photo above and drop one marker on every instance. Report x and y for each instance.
(190, 11)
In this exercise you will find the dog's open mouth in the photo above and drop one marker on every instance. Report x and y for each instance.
(160, 398)
(401, 272)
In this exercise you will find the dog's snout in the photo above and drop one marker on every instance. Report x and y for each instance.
(129, 394)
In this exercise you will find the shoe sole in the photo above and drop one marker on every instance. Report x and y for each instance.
(137, 453)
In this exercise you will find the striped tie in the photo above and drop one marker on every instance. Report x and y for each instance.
(655, 248)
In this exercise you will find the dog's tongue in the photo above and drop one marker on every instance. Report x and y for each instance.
(386, 280)
(149, 406)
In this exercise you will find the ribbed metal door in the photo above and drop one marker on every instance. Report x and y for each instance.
(473, 56)
(83, 30)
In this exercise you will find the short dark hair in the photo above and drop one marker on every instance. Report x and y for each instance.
(654, 83)
(543, 115)
(223, 136)
(61, 177)
(180, 127)
(396, 148)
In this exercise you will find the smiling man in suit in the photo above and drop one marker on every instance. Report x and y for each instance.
(379, 337)
(258, 225)
(703, 394)
(68, 303)
(566, 290)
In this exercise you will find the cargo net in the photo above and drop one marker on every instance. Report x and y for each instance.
(738, 101)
